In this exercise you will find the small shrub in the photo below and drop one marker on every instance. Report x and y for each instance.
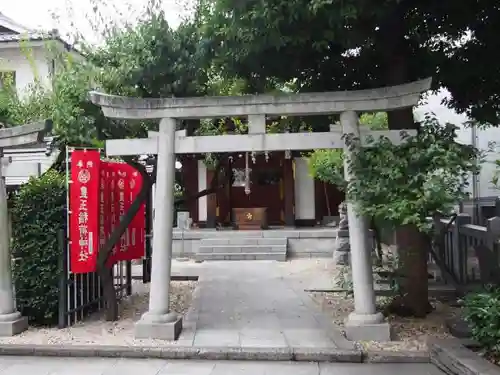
(38, 213)
(482, 312)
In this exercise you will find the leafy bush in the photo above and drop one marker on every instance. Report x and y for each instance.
(38, 213)
(482, 312)
(327, 166)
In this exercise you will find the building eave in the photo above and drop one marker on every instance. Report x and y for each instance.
(36, 41)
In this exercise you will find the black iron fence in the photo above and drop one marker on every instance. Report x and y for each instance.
(472, 251)
(82, 294)
(481, 209)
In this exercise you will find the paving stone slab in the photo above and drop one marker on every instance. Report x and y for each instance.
(453, 358)
(109, 366)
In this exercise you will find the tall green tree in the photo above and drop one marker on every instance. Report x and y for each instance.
(147, 60)
(329, 45)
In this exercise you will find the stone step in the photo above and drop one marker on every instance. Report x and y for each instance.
(241, 256)
(243, 241)
(230, 249)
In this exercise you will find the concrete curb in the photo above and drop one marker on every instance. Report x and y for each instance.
(216, 353)
(386, 356)
(179, 352)
(452, 357)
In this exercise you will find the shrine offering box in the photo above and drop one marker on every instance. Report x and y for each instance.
(254, 218)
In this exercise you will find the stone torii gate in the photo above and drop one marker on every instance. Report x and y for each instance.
(11, 321)
(159, 322)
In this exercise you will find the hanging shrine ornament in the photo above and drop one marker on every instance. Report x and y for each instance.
(247, 176)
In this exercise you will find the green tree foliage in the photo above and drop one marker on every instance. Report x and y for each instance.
(407, 183)
(351, 44)
(38, 213)
(482, 312)
(403, 185)
(327, 165)
(149, 59)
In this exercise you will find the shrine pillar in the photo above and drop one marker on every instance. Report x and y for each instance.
(159, 322)
(11, 321)
(365, 322)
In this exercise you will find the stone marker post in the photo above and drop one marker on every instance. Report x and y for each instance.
(342, 246)
(11, 321)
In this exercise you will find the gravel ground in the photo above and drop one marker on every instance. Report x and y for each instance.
(409, 333)
(96, 331)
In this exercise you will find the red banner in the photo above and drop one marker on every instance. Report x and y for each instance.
(113, 215)
(128, 185)
(104, 204)
(84, 210)
(137, 246)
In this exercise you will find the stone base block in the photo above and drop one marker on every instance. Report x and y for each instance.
(160, 331)
(368, 332)
(14, 327)
(341, 258)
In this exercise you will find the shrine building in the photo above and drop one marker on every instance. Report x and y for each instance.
(280, 192)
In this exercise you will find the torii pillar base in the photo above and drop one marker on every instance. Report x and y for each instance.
(12, 324)
(168, 327)
(367, 328)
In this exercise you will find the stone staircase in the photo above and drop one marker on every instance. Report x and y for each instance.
(242, 248)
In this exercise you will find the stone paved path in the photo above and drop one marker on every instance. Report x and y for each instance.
(85, 366)
(256, 304)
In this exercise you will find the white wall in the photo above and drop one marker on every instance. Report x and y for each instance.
(483, 186)
(19, 159)
(304, 191)
(27, 65)
(202, 185)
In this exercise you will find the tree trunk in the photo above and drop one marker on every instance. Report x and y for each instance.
(411, 245)
(413, 276)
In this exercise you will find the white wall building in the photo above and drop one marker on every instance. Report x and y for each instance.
(481, 185)
(25, 57)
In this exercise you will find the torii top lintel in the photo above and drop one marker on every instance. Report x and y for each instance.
(380, 99)
(24, 134)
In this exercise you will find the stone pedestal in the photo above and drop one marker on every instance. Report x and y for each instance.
(12, 324)
(341, 253)
(367, 327)
(183, 220)
(166, 327)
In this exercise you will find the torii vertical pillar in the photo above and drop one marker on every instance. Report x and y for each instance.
(365, 323)
(159, 322)
(11, 321)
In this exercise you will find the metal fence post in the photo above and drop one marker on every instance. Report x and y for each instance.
(128, 276)
(63, 279)
(459, 260)
(497, 206)
(146, 262)
(493, 235)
